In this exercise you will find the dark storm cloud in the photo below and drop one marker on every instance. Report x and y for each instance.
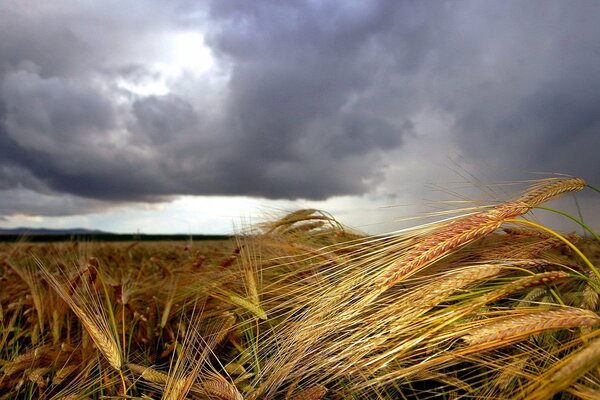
(314, 97)
(525, 93)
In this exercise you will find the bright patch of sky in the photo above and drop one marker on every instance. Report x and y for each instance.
(184, 52)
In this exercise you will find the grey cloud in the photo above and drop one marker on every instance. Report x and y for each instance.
(21, 200)
(53, 114)
(160, 119)
(314, 96)
(294, 127)
(524, 93)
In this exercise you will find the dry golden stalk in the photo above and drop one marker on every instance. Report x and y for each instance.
(438, 290)
(228, 320)
(24, 361)
(516, 328)
(446, 378)
(38, 293)
(63, 373)
(177, 389)
(37, 376)
(166, 314)
(531, 296)
(455, 281)
(445, 240)
(315, 392)
(294, 217)
(57, 323)
(213, 387)
(583, 392)
(535, 249)
(465, 230)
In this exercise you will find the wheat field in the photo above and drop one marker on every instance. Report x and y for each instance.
(488, 304)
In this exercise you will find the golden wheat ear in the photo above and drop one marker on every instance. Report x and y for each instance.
(86, 304)
(466, 230)
(217, 387)
(508, 330)
(315, 392)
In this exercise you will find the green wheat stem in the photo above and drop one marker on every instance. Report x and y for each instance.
(581, 223)
(579, 213)
(593, 188)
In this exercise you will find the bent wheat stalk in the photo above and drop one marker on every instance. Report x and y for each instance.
(465, 230)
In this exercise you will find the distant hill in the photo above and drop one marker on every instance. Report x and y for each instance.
(86, 235)
(45, 231)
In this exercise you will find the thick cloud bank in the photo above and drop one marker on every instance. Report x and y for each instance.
(291, 100)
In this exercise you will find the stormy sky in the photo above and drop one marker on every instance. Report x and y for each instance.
(176, 116)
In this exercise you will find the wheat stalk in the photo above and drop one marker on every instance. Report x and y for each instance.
(510, 372)
(105, 342)
(446, 240)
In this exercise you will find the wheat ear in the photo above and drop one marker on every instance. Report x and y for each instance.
(149, 374)
(440, 289)
(315, 392)
(467, 229)
(445, 240)
(221, 389)
(521, 327)
(248, 305)
(92, 316)
(106, 344)
(550, 188)
(524, 283)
